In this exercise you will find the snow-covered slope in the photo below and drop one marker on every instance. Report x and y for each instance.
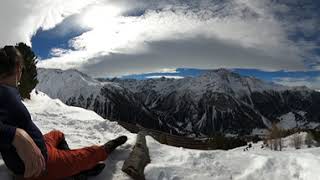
(108, 99)
(63, 86)
(83, 127)
(255, 164)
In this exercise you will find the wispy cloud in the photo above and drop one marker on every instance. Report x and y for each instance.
(20, 20)
(310, 82)
(138, 36)
(56, 52)
(170, 77)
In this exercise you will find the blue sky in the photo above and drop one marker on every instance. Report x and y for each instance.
(265, 75)
(58, 37)
(273, 40)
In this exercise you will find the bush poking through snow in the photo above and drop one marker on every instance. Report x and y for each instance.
(275, 138)
(309, 140)
(296, 141)
(316, 137)
(275, 144)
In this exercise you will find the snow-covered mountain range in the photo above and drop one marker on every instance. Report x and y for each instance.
(218, 101)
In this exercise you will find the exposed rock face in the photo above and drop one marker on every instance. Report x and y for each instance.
(218, 101)
(304, 104)
(223, 101)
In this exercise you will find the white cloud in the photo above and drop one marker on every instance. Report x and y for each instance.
(199, 52)
(21, 19)
(169, 77)
(58, 52)
(169, 34)
(248, 26)
(168, 70)
(311, 82)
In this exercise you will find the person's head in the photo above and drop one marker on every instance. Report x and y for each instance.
(11, 66)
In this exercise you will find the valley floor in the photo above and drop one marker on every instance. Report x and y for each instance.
(83, 128)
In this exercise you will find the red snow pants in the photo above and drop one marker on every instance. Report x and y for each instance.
(62, 164)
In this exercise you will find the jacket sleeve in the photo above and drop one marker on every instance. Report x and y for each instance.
(7, 132)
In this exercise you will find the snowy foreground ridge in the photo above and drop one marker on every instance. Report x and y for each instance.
(83, 127)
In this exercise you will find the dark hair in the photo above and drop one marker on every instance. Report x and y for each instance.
(9, 58)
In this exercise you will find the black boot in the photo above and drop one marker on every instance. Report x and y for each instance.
(113, 144)
(63, 145)
(79, 177)
(95, 171)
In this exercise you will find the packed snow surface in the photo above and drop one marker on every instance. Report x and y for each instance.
(83, 127)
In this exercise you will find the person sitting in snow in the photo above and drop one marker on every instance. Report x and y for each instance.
(25, 150)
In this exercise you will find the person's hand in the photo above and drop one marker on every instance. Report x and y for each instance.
(30, 154)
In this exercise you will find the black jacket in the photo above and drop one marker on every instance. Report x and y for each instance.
(13, 114)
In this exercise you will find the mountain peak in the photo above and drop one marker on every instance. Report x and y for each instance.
(223, 73)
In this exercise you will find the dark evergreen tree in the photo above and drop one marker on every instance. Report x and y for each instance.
(29, 75)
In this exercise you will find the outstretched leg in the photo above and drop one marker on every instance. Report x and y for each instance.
(63, 164)
(66, 163)
(96, 170)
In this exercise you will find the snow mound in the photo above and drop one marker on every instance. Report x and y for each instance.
(84, 127)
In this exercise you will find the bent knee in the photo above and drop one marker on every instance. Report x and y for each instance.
(57, 133)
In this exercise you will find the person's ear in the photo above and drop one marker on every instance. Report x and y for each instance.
(18, 72)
